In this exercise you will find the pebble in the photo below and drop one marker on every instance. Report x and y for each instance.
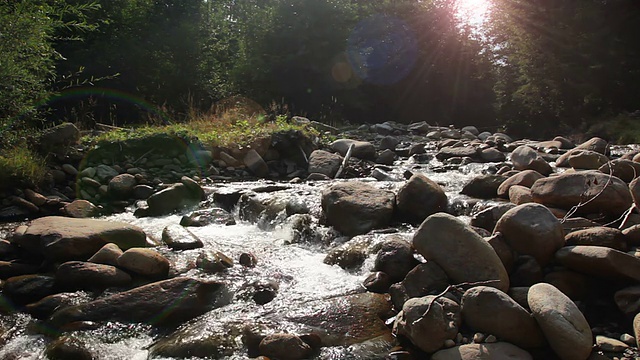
(609, 344)
(478, 338)
(628, 339)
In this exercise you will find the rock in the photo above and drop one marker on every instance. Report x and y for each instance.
(74, 275)
(142, 192)
(420, 197)
(58, 137)
(636, 328)
(448, 152)
(531, 229)
(486, 351)
(428, 330)
(30, 207)
(16, 268)
(487, 218)
(153, 304)
(628, 300)
(107, 255)
(248, 260)
(463, 254)
(524, 178)
(378, 282)
(386, 157)
(324, 162)
(121, 186)
(395, 258)
(610, 345)
(483, 186)
(61, 239)
(419, 127)
(600, 261)
(43, 308)
(573, 284)
(81, 209)
(424, 279)
(490, 310)
(634, 189)
(586, 160)
(562, 323)
(175, 197)
(504, 251)
(350, 254)
(207, 217)
(104, 173)
(526, 158)
(389, 143)
(66, 348)
(285, 347)
(527, 271)
(177, 237)
(598, 236)
(610, 195)
(35, 198)
(520, 195)
(213, 261)
(254, 162)
(625, 170)
(264, 291)
(492, 155)
(594, 144)
(26, 289)
(145, 262)
(362, 149)
(355, 208)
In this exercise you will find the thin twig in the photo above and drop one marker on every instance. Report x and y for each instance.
(345, 160)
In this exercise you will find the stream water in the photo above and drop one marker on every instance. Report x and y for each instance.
(297, 268)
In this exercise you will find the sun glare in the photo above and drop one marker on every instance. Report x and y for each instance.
(473, 12)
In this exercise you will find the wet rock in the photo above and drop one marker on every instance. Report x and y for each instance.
(483, 186)
(350, 254)
(598, 236)
(121, 186)
(463, 254)
(43, 308)
(81, 209)
(142, 192)
(420, 197)
(177, 237)
(526, 158)
(8, 250)
(355, 208)
(531, 229)
(491, 311)
(362, 149)
(254, 162)
(74, 275)
(26, 289)
(485, 351)
(600, 261)
(285, 347)
(107, 255)
(214, 261)
(424, 279)
(378, 282)
(395, 258)
(16, 268)
(448, 152)
(586, 160)
(324, 162)
(562, 323)
(175, 197)
(520, 195)
(487, 218)
(145, 262)
(628, 300)
(264, 291)
(68, 348)
(61, 238)
(154, 303)
(386, 157)
(248, 260)
(428, 330)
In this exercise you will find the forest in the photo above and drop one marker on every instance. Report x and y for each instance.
(534, 68)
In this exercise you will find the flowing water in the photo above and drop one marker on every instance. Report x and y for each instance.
(297, 268)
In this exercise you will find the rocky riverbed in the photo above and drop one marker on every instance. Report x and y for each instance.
(394, 241)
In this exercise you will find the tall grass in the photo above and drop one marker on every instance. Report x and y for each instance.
(21, 166)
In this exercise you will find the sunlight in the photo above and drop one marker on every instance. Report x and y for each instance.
(473, 12)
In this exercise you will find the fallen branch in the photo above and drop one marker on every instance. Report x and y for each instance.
(345, 161)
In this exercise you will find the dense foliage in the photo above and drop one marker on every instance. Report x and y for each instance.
(536, 67)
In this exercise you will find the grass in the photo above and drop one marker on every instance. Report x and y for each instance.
(621, 129)
(21, 166)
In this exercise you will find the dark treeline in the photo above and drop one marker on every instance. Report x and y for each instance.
(535, 67)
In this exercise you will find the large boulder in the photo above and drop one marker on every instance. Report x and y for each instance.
(59, 136)
(154, 303)
(625, 170)
(173, 198)
(562, 323)
(483, 186)
(594, 144)
(355, 208)
(448, 152)
(420, 197)
(485, 351)
(594, 191)
(598, 236)
(489, 310)
(75, 275)
(424, 279)
(255, 163)
(586, 160)
(61, 239)
(600, 261)
(145, 262)
(361, 149)
(428, 322)
(526, 158)
(532, 229)
(284, 347)
(121, 186)
(324, 162)
(395, 258)
(463, 254)
(488, 217)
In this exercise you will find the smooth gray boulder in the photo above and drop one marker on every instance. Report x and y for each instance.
(177, 237)
(463, 254)
(600, 261)
(420, 197)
